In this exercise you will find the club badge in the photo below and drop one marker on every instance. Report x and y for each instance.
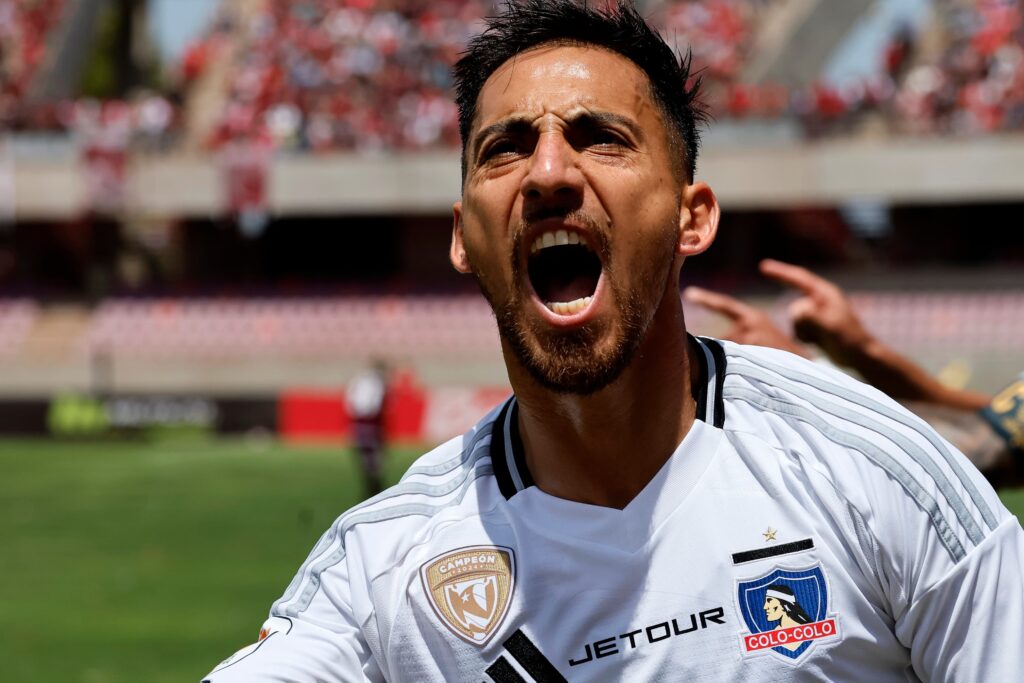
(470, 589)
(786, 612)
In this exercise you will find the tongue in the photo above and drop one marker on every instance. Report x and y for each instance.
(564, 287)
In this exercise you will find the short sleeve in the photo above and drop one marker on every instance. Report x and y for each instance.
(315, 635)
(296, 651)
(969, 626)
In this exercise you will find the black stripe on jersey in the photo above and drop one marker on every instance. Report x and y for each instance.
(532, 659)
(719, 354)
(775, 551)
(501, 474)
(502, 672)
(701, 395)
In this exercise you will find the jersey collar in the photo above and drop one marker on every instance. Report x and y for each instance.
(507, 453)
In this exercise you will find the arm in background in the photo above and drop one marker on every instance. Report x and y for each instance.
(824, 316)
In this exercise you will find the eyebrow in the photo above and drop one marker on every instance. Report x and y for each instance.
(521, 124)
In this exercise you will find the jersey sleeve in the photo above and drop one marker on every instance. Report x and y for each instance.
(958, 560)
(296, 651)
(969, 626)
(312, 635)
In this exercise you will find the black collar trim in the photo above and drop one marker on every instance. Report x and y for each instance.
(710, 404)
(499, 461)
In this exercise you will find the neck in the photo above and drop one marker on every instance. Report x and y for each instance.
(605, 447)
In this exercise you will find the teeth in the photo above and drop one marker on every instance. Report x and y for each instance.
(556, 238)
(569, 307)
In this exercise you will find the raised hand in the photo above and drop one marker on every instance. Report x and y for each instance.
(823, 315)
(749, 325)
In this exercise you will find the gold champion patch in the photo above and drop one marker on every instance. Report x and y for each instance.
(470, 589)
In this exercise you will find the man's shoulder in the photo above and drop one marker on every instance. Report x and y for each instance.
(871, 450)
(779, 381)
(443, 479)
(448, 482)
(826, 407)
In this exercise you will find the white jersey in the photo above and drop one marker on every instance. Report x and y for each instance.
(807, 528)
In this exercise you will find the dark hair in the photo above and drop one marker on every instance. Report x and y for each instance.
(526, 24)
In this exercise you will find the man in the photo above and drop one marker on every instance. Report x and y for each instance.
(603, 523)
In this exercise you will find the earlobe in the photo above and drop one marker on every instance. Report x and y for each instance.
(698, 219)
(457, 252)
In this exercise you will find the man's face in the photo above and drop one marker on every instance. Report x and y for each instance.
(570, 214)
(773, 609)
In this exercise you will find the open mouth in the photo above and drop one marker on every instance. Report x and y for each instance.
(564, 271)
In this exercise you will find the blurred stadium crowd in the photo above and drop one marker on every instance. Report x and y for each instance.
(374, 74)
(977, 82)
(24, 26)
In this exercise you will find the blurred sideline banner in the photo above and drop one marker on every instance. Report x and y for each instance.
(412, 414)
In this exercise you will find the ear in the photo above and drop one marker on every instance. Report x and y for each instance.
(457, 252)
(698, 219)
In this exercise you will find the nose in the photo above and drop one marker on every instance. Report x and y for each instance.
(554, 178)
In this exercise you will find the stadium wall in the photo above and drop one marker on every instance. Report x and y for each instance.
(744, 177)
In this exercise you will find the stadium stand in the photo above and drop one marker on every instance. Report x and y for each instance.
(368, 75)
(980, 322)
(445, 327)
(325, 74)
(339, 76)
(976, 83)
(463, 326)
(17, 316)
(24, 28)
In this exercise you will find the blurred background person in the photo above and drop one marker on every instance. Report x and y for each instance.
(365, 398)
(987, 429)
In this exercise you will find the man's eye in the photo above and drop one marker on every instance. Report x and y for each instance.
(607, 137)
(499, 148)
(597, 137)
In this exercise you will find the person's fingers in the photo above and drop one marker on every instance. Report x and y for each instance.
(802, 309)
(720, 303)
(794, 276)
(734, 334)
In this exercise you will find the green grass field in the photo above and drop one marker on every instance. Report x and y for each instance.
(152, 561)
(125, 561)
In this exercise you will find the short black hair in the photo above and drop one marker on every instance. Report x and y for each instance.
(618, 27)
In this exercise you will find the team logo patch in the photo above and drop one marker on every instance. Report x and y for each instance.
(274, 625)
(786, 612)
(470, 589)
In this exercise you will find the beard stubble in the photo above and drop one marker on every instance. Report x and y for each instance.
(582, 361)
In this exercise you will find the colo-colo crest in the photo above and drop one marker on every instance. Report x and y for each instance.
(786, 612)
